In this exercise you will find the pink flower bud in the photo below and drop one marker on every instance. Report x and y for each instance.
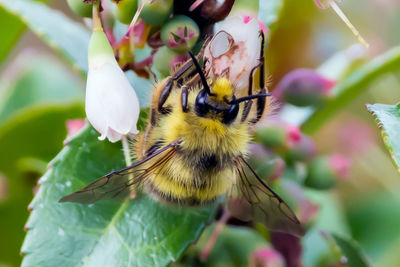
(304, 87)
(324, 171)
(266, 257)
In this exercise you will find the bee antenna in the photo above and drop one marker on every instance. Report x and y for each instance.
(236, 101)
(202, 77)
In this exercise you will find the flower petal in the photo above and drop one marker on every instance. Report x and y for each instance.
(236, 48)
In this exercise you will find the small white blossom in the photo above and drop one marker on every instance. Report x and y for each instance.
(112, 106)
(234, 50)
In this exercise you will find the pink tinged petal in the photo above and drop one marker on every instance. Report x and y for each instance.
(112, 135)
(234, 50)
(246, 19)
(246, 37)
(263, 27)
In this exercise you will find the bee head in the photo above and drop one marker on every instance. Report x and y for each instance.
(221, 100)
(218, 101)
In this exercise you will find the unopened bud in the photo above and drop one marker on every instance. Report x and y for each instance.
(180, 34)
(324, 171)
(267, 164)
(125, 10)
(156, 12)
(304, 150)
(266, 257)
(304, 87)
(166, 61)
(80, 8)
(278, 136)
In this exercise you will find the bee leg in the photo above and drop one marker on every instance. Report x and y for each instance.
(261, 102)
(185, 92)
(184, 98)
(181, 72)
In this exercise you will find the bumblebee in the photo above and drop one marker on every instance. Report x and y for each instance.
(194, 150)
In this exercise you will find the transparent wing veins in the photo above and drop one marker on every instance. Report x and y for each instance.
(256, 201)
(117, 184)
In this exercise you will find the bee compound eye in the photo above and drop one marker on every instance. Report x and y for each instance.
(230, 115)
(201, 107)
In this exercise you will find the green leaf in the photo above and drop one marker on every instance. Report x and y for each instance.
(343, 252)
(140, 232)
(10, 31)
(352, 251)
(374, 219)
(29, 137)
(269, 11)
(34, 84)
(58, 31)
(353, 86)
(388, 119)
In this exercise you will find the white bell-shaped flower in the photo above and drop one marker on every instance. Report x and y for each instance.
(234, 50)
(112, 106)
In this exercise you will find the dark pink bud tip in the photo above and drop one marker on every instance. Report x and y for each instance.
(304, 87)
(293, 134)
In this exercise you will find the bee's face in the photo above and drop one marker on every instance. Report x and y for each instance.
(218, 103)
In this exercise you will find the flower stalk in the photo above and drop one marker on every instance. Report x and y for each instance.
(342, 16)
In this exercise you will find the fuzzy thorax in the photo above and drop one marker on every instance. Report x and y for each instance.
(203, 167)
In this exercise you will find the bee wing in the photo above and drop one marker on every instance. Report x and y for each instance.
(117, 185)
(252, 199)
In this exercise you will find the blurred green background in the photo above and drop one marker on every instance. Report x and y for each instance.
(39, 91)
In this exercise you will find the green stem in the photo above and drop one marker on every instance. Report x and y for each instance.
(125, 147)
(96, 20)
(353, 86)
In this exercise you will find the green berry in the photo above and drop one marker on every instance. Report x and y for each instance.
(271, 136)
(304, 150)
(157, 11)
(80, 8)
(180, 34)
(125, 10)
(166, 60)
(320, 175)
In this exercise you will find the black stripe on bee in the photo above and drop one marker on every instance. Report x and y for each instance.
(205, 162)
(165, 110)
(157, 145)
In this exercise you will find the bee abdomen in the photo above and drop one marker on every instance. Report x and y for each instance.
(181, 201)
(206, 162)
